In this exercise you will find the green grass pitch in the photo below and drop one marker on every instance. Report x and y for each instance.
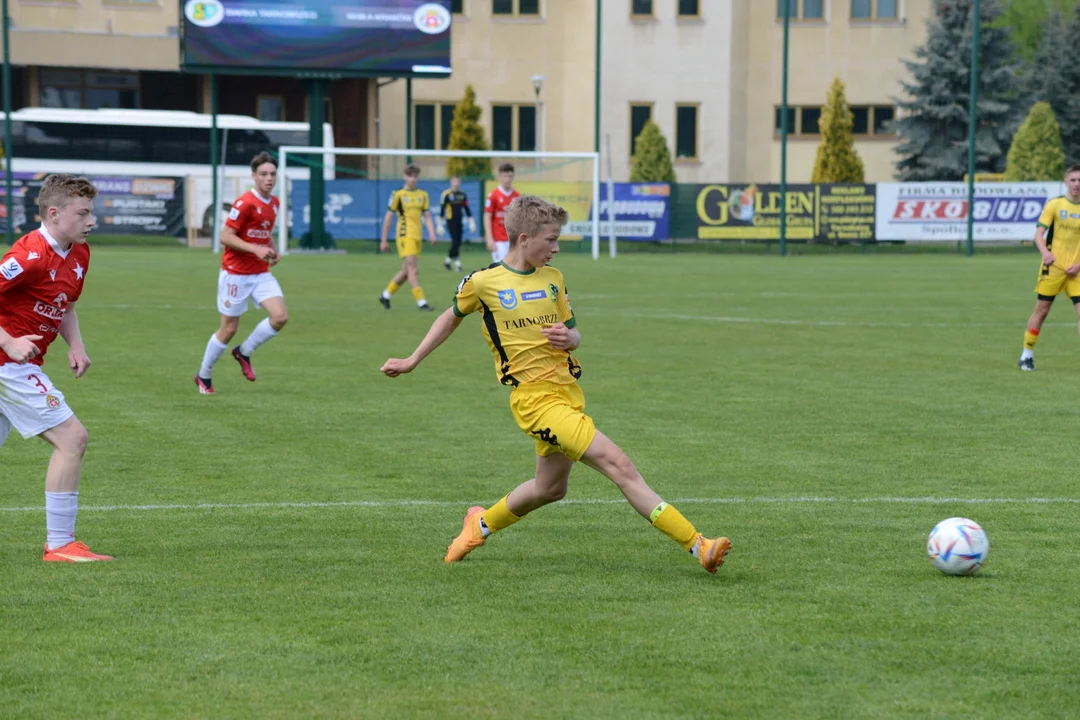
(280, 544)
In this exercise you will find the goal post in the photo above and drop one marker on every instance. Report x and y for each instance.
(591, 222)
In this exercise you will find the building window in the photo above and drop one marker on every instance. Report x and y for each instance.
(801, 10)
(869, 121)
(457, 7)
(641, 8)
(270, 108)
(424, 126)
(778, 117)
(88, 89)
(515, 7)
(446, 123)
(640, 113)
(689, 8)
(526, 115)
(502, 127)
(431, 125)
(686, 131)
(513, 127)
(874, 10)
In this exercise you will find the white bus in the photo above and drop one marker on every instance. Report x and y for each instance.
(172, 143)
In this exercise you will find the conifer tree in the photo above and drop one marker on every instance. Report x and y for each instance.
(836, 160)
(652, 157)
(466, 133)
(1036, 152)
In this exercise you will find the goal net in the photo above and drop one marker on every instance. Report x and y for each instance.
(363, 179)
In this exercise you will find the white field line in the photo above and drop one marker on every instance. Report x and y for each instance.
(595, 501)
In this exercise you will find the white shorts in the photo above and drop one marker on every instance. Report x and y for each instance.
(28, 401)
(501, 248)
(234, 291)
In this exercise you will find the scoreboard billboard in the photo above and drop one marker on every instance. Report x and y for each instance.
(317, 38)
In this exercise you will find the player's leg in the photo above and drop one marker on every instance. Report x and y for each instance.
(456, 231)
(412, 269)
(69, 440)
(501, 249)
(267, 294)
(1031, 334)
(607, 458)
(395, 283)
(215, 348)
(548, 486)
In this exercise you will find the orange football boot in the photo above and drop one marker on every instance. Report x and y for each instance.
(73, 552)
(711, 552)
(470, 537)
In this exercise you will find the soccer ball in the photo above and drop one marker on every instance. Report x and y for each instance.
(958, 546)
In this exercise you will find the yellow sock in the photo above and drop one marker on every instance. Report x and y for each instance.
(1030, 338)
(418, 293)
(498, 516)
(671, 522)
(392, 287)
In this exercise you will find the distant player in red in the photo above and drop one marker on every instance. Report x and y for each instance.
(41, 277)
(248, 238)
(495, 213)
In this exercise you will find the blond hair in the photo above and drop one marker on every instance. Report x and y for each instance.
(528, 215)
(58, 190)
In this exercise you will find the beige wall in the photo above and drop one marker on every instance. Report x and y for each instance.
(866, 56)
(665, 60)
(498, 56)
(94, 34)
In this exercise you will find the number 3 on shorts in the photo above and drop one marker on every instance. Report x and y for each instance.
(37, 381)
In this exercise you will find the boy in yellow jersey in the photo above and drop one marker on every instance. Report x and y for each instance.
(411, 205)
(1058, 239)
(531, 329)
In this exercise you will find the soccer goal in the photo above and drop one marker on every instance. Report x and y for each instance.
(571, 180)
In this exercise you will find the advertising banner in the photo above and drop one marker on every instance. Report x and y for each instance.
(355, 209)
(124, 205)
(300, 37)
(939, 211)
(642, 212)
(825, 213)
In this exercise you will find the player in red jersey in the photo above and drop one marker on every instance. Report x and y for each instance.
(495, 213)
(41, 278)
(245, 274)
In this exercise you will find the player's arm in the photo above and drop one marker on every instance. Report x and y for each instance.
(443, 327)
(387, 220)
(19, 349)
(562, 337)
(430, 226)
(489, 235)
(230, 239)
(69, 330)
(468, 212)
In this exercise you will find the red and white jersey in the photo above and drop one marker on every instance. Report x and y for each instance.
(497, 202)
(37, 283)
(252, 218)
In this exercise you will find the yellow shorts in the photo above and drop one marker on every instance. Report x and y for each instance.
(555, 416)
(1052, 280)
(407, 246)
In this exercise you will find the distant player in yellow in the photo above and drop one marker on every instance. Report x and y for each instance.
(411, 206)
(1058, 239)
(531, 329)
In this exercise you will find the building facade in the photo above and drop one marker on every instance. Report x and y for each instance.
(708, 72)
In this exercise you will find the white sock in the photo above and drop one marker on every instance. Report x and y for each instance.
(214, 349)
(1027, 354)
(60, 511)
(385, 295)
(258, 336)
(697, 545)
(421, 303)
(484, 530)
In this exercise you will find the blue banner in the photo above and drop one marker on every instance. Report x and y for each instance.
(642, 213)
(355, 209)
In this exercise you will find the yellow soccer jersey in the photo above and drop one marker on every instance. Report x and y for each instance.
(514, 306)
(410, 206)
(1061, 218)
